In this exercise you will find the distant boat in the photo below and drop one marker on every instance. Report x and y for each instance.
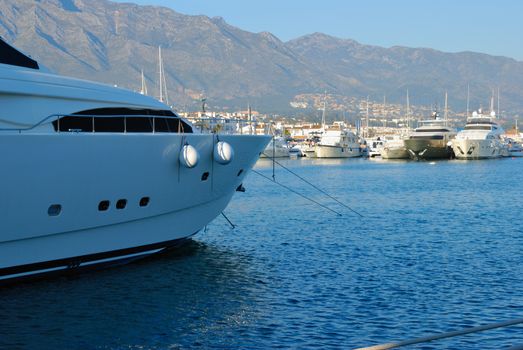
(395, 149)
(481, 138)
(277, 148)
(336, 142)
(375, 146)
(431, 139)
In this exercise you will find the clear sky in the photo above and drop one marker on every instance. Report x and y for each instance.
(494, 27)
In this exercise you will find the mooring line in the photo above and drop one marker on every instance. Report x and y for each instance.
(295, 192)
(314, 186)
(443, 335)
(229, 221)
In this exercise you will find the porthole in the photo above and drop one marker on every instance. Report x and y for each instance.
(104, 205)
(54, 210)
(240, 172)
(144, 201)
(121, 203)
(205, 176)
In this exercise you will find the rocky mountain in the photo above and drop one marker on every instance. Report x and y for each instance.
(112, 43)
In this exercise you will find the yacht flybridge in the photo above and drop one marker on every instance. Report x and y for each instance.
(92, 174)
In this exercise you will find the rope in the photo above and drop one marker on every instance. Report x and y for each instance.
(314, 186)
(295, 192)
(229, 221)
(444, 335)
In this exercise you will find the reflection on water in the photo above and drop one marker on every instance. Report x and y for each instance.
(172, 299)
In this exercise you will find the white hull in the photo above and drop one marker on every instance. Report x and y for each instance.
(277, 153)
(321, 151)
(78, 170)
(478, 149)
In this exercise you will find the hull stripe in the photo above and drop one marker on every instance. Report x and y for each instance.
(72, 263)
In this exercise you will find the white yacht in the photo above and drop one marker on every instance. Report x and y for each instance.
(93, 174)
(375, 146)
(430, 140)
(277, 148)
(481, 138)
(338, 143)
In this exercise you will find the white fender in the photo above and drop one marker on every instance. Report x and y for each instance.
(223, 152)
(189, 156)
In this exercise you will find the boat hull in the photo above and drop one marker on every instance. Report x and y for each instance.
(395, 153)
(478, 149)
(325, 151)
(78, 171)
(428, 149)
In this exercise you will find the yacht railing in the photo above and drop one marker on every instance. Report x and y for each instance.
(203, 125)
(229, 126)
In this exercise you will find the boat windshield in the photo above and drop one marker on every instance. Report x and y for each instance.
(432, 130)
(478, 127)
(11, 56)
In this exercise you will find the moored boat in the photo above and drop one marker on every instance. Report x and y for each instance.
(431, 139)
(93, 174)
(481, 138)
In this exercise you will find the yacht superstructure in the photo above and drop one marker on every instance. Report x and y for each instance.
(481, 138)
(92, 174)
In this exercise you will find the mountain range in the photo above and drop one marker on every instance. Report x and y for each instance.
(113, 42)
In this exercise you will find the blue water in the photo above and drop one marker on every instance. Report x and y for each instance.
(439, 248)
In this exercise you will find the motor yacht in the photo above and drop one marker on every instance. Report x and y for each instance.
(431, 139)
(338, 143)
(482, 138)
(93, 174)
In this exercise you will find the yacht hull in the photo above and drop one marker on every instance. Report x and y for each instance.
(79, 171)
(428, 149)
(325, 151)
(478, 149)
(394, 153)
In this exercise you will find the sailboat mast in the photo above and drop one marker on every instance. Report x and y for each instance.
(498, 103)
(468, 99)
(324, 111)
(408, 110)
(492, 101)
(160, 68)
(446, 107)
(143, 89)
(367, 119)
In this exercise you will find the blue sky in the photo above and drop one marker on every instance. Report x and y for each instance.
(493, 27)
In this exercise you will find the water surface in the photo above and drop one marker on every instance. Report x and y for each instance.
(438, 249)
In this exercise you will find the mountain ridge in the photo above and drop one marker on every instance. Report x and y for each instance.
(112, 42)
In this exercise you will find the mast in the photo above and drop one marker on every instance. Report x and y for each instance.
(446, 107)
(492, 101)
(408, 110)
(367, 119)
(143, 89)
(468, 99)
(163, 85)
(498, 103)
(160, 69)
(324, 111)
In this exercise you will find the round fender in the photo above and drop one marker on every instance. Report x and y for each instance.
(189, 156)
(223, 152)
